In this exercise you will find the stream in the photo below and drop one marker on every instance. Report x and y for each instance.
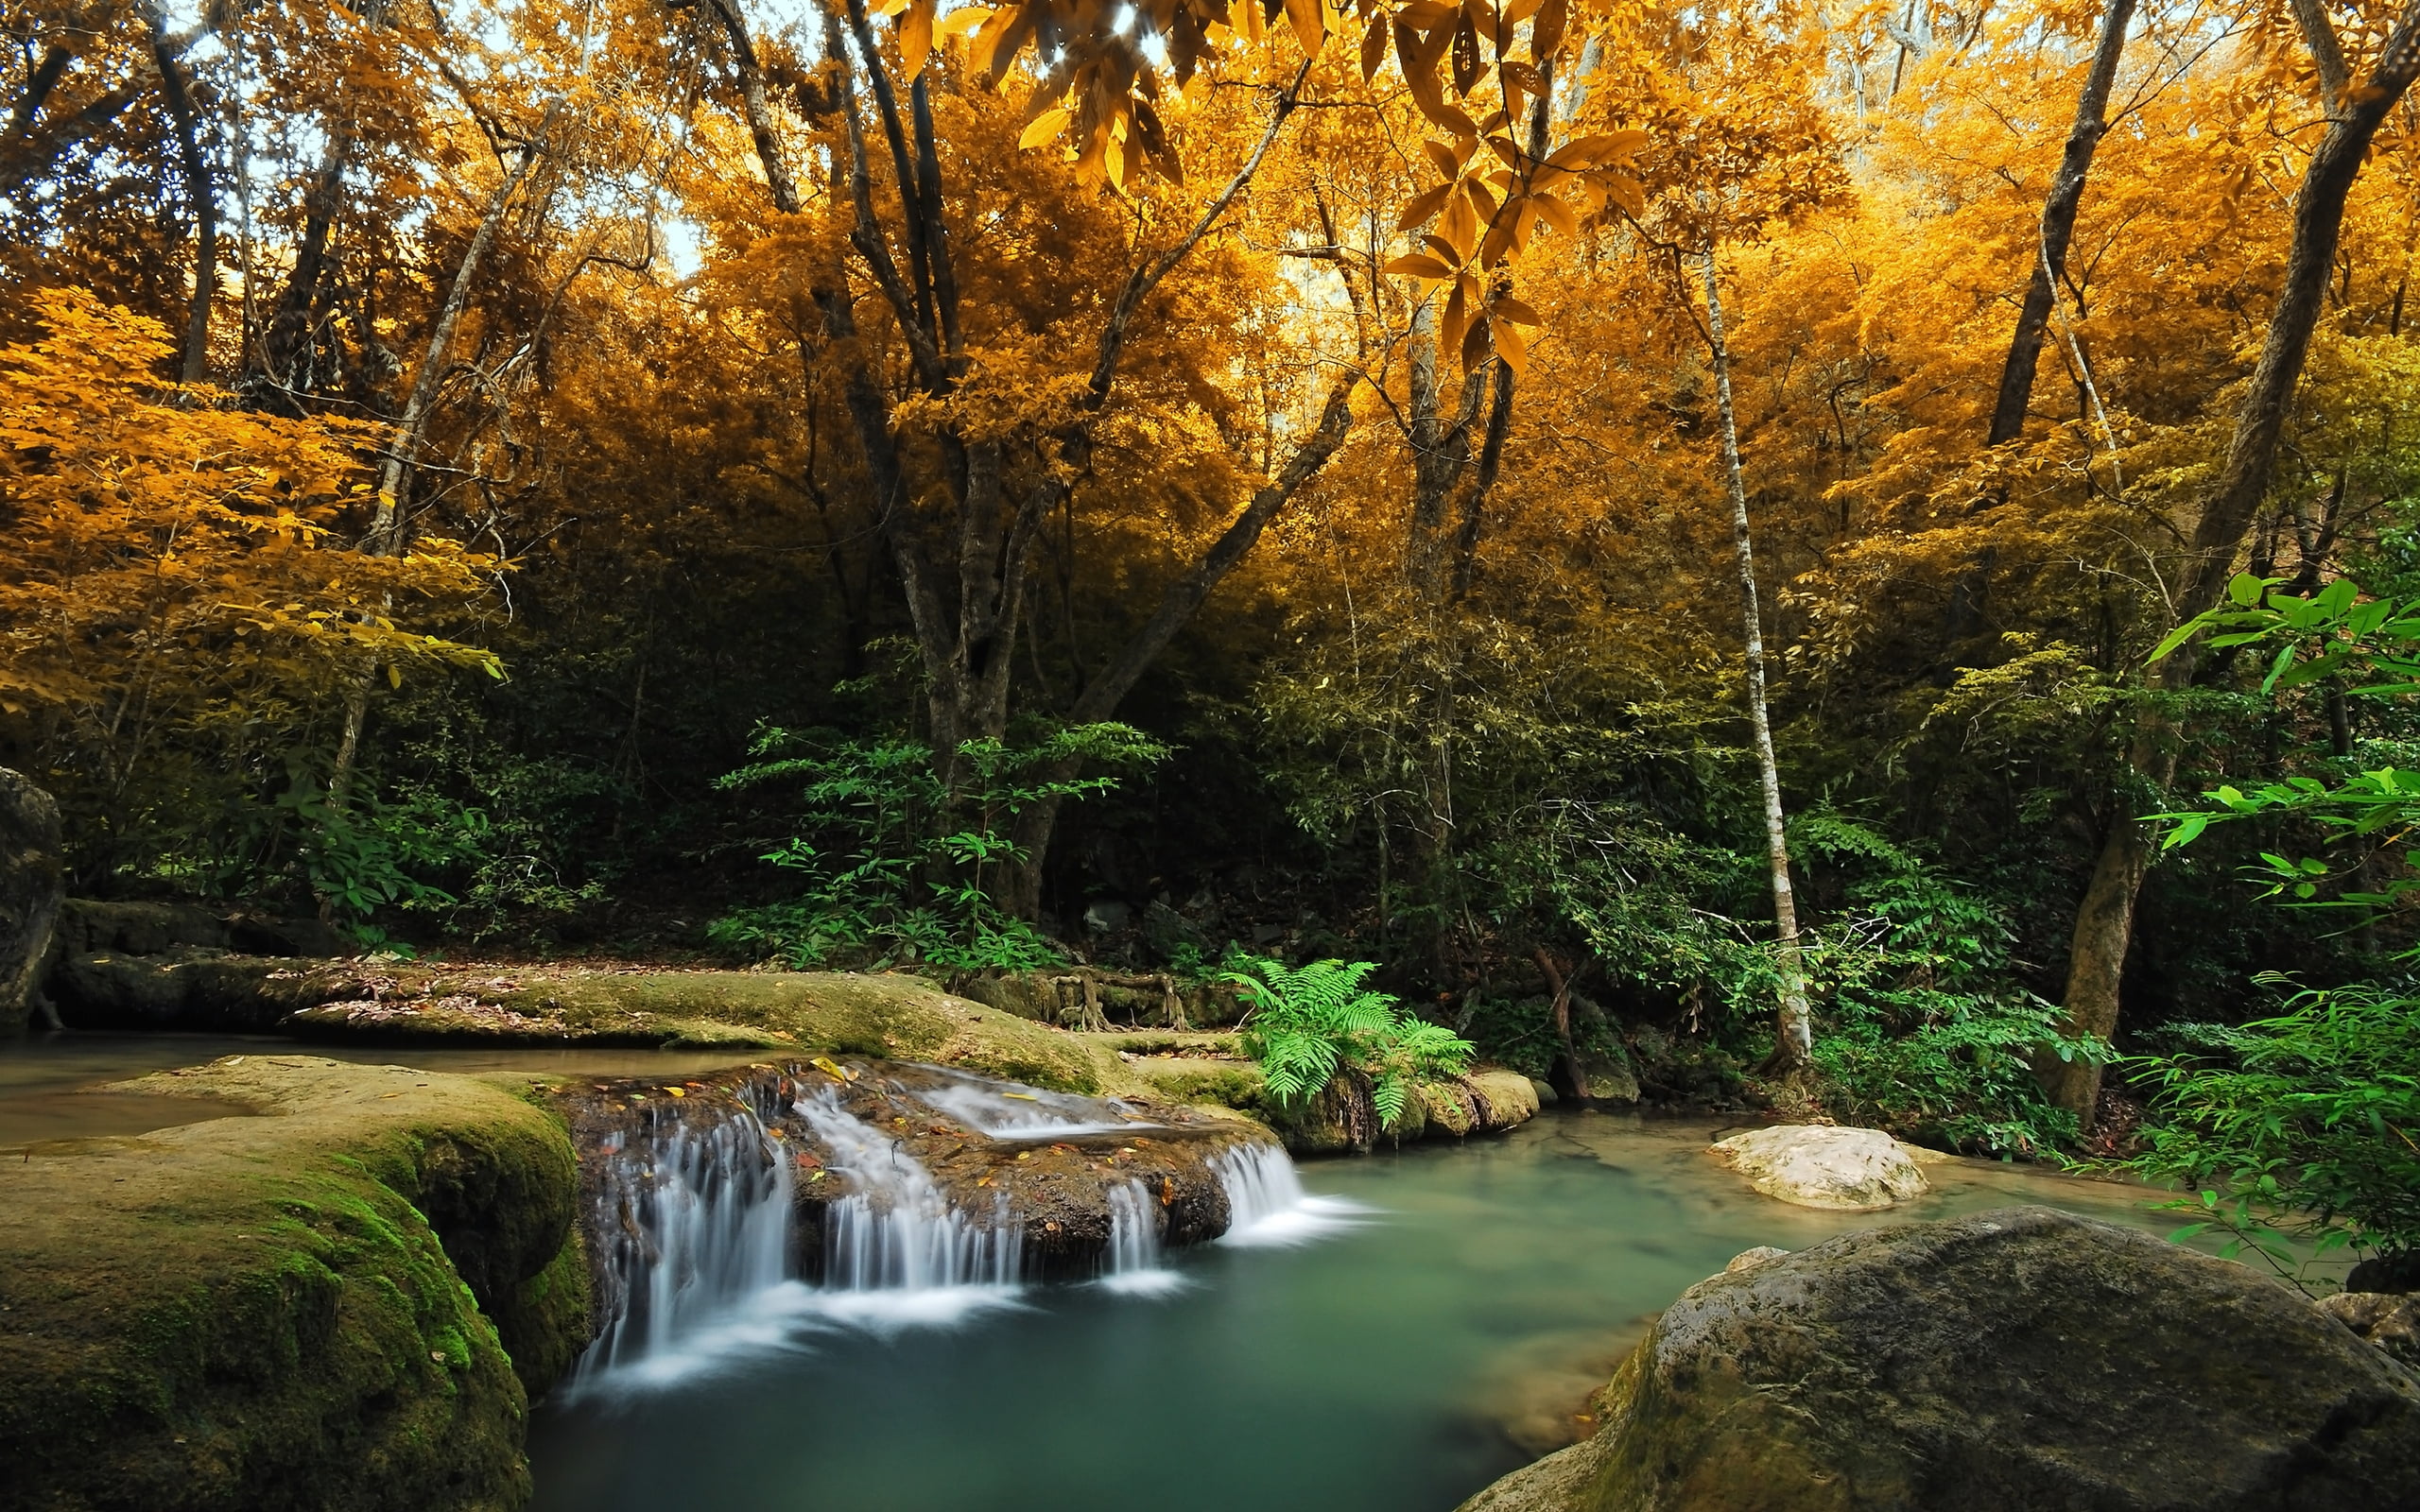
(1390, 1332)
(1408, 1329)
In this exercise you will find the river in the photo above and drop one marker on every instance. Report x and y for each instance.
(1428, 1320)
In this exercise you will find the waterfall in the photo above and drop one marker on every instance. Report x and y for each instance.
(692, 1204)
(1266, 1203)
(895, 1248)
(693, 1221)
(1131, 1264)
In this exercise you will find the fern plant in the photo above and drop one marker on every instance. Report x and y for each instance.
(1305, 1024)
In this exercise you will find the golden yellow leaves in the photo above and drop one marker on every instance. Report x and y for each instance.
(165, 541)
(1472, 226)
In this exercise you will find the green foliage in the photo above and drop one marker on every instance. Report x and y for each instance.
(1924, 1028)
(2303, 1122)
(900, 861)
(1306, 1024)
(372, 855)
(2334, 636)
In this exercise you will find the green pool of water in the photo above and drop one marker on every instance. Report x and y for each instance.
(1447, 1335)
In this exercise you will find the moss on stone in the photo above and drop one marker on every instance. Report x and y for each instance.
(286, 1310)
(891, 1016)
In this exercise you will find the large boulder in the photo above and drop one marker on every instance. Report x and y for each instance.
(343, 1300)
(31, 890)
(1815, 1165)
(2011, 1361)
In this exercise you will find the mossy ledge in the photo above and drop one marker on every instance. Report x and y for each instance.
(893, 1016)
(322, 1306)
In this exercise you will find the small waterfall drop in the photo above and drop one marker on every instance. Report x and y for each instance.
(693, 1217)
(1266, 1206)
(897, 1250)
(1131, 1264)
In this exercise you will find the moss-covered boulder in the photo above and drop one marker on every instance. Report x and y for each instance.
(895, 1016)
(2008, 1362)
(321, 1305)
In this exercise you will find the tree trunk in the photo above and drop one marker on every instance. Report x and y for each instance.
(2059, 225)
(1794, 1030)
(33, 887)
(2104, 920)
(1102, 695)
(387, 525)
(199, 189)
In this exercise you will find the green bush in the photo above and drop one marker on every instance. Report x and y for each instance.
(2303, 1122)
(1306, 1024)
(899, 865)
(1924, 1029)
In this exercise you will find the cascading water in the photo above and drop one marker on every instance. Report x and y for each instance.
(1011, 1112)
(695, 1203)
(1132, 1262)
(693, 1217)
(897, 1239)
(1266, 1203)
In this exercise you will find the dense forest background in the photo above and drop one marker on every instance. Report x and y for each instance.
(722, 478)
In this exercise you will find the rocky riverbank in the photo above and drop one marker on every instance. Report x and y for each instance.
(2017, 1360)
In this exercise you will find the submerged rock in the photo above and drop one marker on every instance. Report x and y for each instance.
(345, 1301)
(1815, 1165)
(2011, 1361)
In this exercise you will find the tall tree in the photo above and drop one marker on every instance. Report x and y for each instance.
(2058, 224)
(2105, 917)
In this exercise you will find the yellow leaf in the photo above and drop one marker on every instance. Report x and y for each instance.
(1419, 265)
(916, 36)
(1426, 205)
(1310, 18)
(1045, 127)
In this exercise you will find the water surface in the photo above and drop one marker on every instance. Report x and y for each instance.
(1398, 1360)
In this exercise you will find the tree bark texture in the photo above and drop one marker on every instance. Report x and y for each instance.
(2104, 920)
(175, 89)
(1793, 1028)
(962, 551)
(2059, 225)
(32, 888)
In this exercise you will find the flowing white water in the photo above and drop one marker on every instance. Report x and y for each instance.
(895, 1250)
(1266, 1207)
(695, 1219)
(1133, 1264)
(1010, 1111)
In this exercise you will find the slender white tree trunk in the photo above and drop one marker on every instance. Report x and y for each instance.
(1793, 1033)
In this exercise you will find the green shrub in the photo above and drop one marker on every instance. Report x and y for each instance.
(2304, 1123)
(898, 866)
(1924, 1029)
(1306, 1024)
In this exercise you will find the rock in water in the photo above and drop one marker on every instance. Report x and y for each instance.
(2009, 1361)
(1815, 1165)
(30, 892)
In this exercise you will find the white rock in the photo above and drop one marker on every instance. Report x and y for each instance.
(1815, 1165)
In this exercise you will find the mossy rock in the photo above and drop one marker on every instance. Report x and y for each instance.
(2018, 1361)
(319, 1306)
(894, 1017)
